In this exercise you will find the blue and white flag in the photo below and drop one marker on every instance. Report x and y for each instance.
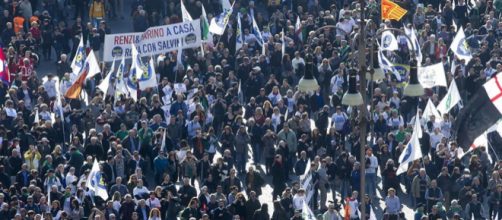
(120, 85)
(219, 23)
(96, 181)
(257, 32)
(460, 47)
(412, 151)
(238, 34)
(134, 72)
(184, 13)
(149, 78)
(412, 34)
(389, 41)
(78, 60)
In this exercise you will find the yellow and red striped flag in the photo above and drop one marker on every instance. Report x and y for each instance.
(392, 11)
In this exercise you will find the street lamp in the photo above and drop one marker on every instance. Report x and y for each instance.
(308, 82)
(352, 97)
(413, 88)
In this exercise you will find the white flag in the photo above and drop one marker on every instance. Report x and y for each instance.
(460, 47)
(96, 181)
(433, 75)
(105, 84)
(387, 66)
(134, 72)
(93, 65)
(389, 41)
(307, 214)
(149, 78)
(78, 60)
(412, 151)
(219, 23)
(257, 32)
(429, 110)
(184, 13)
(120, 85)
(298, 28)
(37, 117)
(412, 34)
(450, 100)
(238, 34)
(283, 49)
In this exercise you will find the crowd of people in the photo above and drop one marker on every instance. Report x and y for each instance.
(242, 124)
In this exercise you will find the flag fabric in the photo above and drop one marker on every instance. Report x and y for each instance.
(238, 34)
(240, 95)
(105, 84)
(432, 75)
(76, 88)
(96, 181)
(163, 142)
(450, 100)
(219, 23)
(120, 86)
(307, 213)
(412, 34)
(412, 151)
(4, 69)
(392, 11)
(460, 47)
(78, 60)
(298, 28)
(134, 74)
(481, 112)
(283, 48)
(37, 117)
(58, 107)
(386, 65)
(149, 78)
(257, 33)
(388, 41)
(184, 13)
(429, 110)
(205, 26)
(93, 64)
(346, 209)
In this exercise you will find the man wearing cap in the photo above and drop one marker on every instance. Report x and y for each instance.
(392, 204)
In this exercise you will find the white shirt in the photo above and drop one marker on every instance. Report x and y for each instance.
(140, 191)
(435, 139)
(153, 203)
(298, 201)
(373, 164)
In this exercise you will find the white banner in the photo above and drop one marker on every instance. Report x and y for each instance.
(154, 41)
(433, 75)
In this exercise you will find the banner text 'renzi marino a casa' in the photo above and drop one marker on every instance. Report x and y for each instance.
(154, 41)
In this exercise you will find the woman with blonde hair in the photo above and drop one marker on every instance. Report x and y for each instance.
(154, 214)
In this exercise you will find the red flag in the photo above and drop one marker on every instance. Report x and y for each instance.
(347, 209)
(4, 69)
(75, 89)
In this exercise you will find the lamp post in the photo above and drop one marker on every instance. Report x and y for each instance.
(414, 90)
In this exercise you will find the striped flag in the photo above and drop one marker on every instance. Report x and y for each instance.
(392, 11)
(205, 26)
(76, 88)
(257, 32)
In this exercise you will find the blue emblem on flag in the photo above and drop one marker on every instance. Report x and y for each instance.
(407, 153)
(463, 48)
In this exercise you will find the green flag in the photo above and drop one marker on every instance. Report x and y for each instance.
(204, 25)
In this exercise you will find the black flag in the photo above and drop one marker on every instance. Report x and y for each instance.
(483, 110)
